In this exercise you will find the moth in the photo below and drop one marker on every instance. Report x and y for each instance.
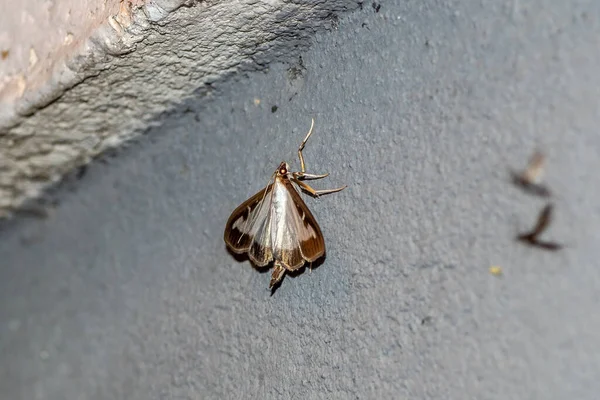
(275, 225)
(529, 179)
(543, 221)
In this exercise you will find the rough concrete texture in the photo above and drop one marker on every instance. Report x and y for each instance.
(39, 40)
(139, 65)
(126, 290)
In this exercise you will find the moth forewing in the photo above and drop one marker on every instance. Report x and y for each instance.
(240, 228)
(310, 239)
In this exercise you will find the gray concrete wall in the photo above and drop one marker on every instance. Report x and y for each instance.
(125, 290)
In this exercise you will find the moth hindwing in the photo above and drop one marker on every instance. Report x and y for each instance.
(275, 225)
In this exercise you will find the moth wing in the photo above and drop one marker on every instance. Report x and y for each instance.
(291, 237)
(261, 250)
(247, 220)
(310, 242)
(285, 228)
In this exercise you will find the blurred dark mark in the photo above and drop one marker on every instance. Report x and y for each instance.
(550, 246)
(376, 7)
(364, 25)
(28, 240)
(360, 5)
(536, 189)
(108, 155)
(426, 42)
(81, 171)
(526, 179)
(543, 222)
(274, 108)
(294, 95)
(335, 20)
(5, 54)
(297, 70)
(426, 320)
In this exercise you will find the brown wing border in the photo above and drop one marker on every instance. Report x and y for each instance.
(243, 210)
(306, 217)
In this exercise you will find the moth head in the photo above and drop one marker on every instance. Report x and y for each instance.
(283, 169)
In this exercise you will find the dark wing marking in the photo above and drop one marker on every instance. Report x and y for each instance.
(241, 226)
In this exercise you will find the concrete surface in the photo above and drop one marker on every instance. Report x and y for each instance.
(126, 290)
(139, 64)
(36, 35)
(40, 41)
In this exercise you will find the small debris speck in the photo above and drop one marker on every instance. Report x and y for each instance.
(33, 58)
(256, 101)
(5, 54)
(376, 7)
(69, 38)
(274, 108)
(496, 270)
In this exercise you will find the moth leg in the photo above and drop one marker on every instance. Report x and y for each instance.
(315, 192)
(302, 175)
(312, 124)
(277, 275)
